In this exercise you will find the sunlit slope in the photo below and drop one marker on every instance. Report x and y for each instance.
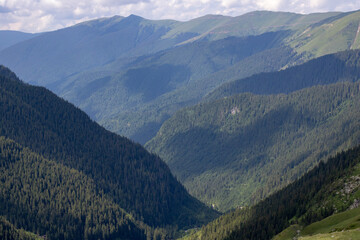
(332, 35)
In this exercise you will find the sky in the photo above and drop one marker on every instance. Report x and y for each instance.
(47, 15)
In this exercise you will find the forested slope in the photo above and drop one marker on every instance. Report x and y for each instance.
(9, 232)
(58, 202)
(332, 68)
(148, 92)
(126, 174)
(330, 188)
(236, 150)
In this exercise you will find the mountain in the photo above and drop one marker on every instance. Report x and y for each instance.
(157, 85)
(332, 68)
(63, 158)
(215, 27)
(9, 38)
(93, 64)
(56, 201)
(94, 43)
(337, 33)
(62, 53)
(59, 54)
(237, 150)
(323, 201)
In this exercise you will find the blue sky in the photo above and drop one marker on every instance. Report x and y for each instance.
(47, 15)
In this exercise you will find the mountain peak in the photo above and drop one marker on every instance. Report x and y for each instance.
(134, 17)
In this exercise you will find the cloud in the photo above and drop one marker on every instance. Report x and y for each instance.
(45, 15)
(4, 9)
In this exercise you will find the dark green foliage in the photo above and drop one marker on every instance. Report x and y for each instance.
(59, 202)
(272, 215)
(125, 172)
(343, 66)
(152, 82)
(9, 232)
(237, 150)
(293, 204)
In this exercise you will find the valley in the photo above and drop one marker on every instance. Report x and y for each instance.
(218, 127)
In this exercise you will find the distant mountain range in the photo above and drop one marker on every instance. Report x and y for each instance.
(92, 64)
(242, 109)
(332, 68)
(66, 177)
(9, 38)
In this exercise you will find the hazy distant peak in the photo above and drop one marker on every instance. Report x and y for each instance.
(101, 21)
(135, 17)
(8, 38)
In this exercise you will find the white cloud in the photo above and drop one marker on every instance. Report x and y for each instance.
(45, 15)
(269, 5)
(51, 3)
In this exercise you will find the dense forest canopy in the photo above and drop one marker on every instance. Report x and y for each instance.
(119, 173)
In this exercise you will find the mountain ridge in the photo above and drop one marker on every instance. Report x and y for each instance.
(312, 204)
(95, 57)
(211, 146)
(99, 48)
(125, 172)
(342, 65)
(9, 38)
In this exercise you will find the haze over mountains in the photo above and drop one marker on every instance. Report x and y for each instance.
(92, 64)
(236, 150)
(9, 38)
(238, 107)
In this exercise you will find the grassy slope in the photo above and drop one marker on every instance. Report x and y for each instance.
(331, 36)
(216, 27)
(341, 228)
(342, 221)
(348, 234)
(344, 225)
(340, 195)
